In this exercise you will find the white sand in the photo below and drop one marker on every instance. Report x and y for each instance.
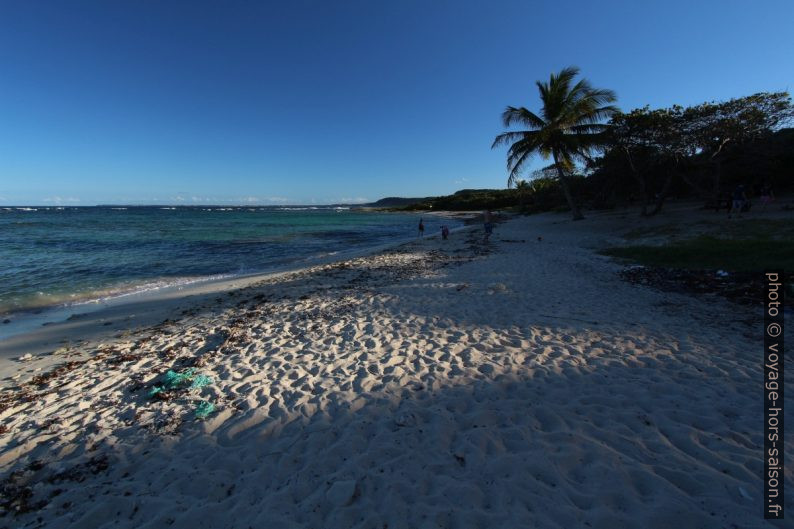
(459, 385)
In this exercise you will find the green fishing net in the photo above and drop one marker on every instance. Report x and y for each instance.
(203, 409)
(187, 379)
(174, 380)
(200, 381)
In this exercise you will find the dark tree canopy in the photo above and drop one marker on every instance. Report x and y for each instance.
(711, 126)
(691, 142)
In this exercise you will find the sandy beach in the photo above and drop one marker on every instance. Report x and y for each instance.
(439, 384)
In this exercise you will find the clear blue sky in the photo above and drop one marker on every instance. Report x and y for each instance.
(326, 101)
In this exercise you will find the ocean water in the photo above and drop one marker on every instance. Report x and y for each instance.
(58, 256)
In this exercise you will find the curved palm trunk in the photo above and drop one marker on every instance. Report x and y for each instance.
(577, 213)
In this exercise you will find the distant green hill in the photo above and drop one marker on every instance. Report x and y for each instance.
(393, 202)
(463, 200)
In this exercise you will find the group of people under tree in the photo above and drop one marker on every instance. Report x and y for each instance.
(739, 203)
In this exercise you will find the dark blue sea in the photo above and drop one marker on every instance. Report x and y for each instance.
(51, 256)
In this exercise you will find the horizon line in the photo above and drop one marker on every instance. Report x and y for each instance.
(110, 205)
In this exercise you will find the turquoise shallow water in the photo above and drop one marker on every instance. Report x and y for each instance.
(55, 256)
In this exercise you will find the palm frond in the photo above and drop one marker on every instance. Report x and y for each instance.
(507, 138)
(518, 151)
(579, 92)
(564, 77)
(589, 128)
(523, 116)
(596, 96)
(517, 166)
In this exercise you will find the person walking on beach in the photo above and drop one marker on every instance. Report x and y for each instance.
(767, 196)
(421, 228)
(739, 199)
(444, 232)
(488, 223)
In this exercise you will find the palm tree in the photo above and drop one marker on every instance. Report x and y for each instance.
(567, 129)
